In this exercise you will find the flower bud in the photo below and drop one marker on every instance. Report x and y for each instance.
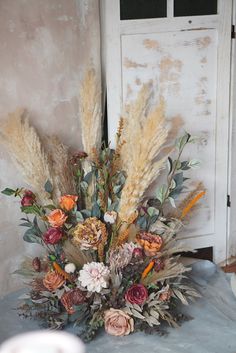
(110, 217)
(70, 268)
(36, 263)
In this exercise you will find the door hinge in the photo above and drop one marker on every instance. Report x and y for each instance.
(228, 201)
(233, 32)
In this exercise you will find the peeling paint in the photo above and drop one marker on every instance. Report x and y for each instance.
(203, 42)
(151, 44)
(132, 64)
(170, 70)
(203, 60)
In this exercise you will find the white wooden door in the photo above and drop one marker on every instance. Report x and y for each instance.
(187, 58)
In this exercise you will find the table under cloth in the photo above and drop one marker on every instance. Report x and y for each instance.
(212, 329)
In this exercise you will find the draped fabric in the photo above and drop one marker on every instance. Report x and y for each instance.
(46, 47)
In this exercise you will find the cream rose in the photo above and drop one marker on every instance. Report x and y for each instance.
(118, 323)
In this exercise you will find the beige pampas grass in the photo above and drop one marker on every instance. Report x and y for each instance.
(63, 179)
(144, 135)
(90, 111)
(23, 143)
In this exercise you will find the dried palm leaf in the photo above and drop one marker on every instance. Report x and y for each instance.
(75, 254)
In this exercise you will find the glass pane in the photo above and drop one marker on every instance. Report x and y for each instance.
(138, 9)
(195, 7)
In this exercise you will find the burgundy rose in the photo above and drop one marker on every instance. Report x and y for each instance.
(136, 294)
(52, 236)
(28, 198)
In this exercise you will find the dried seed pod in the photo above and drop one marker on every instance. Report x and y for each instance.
(36, 263)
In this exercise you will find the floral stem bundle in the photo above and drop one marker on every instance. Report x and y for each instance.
(111, 254)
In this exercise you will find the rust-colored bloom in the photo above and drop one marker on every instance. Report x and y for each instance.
(136, 294)
(89, 234)
(53, 280)
(150, 242)
(57, 218)
(118, 323)
(71, 298)
(75, 159)
(68, 202)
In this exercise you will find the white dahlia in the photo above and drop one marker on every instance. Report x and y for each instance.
(94, 276)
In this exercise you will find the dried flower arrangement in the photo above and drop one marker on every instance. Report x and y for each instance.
(111, 253)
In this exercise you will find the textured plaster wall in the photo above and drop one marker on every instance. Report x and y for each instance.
(45, 45)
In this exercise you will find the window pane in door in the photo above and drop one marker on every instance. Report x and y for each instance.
(195, 7)
(140, 9)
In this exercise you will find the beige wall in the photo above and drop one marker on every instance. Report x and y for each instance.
(44, 47)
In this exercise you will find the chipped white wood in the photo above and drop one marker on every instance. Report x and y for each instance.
(231, 244)
(170, 8)
(188, 60)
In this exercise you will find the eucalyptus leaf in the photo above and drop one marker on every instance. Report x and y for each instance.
(194, 163)
(88, 177)
(34, 209)
(96, 211)
(30, 237)
(182, 141)
(8, 192)
(48, 187)
(86, 213)
(152, 211)
(117, 189)
(26, 224)
(161, 193)
(170, 165)
(114, 206)
(172, 202)
(178, 178)
(184, 165)
(84, 186)
(142, 222)
(79, 216)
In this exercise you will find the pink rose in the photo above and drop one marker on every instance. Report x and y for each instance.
(136, 294)
(118, 323)
(52, 236)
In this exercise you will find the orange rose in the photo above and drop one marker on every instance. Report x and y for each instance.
(68, 202)
(56, 218)
(53, 280)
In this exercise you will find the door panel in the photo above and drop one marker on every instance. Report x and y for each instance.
(182, 67)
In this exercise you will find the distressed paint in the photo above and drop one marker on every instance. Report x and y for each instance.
(188, 84)
(45, 47)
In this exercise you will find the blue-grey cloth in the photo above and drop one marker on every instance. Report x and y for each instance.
(212, 330)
